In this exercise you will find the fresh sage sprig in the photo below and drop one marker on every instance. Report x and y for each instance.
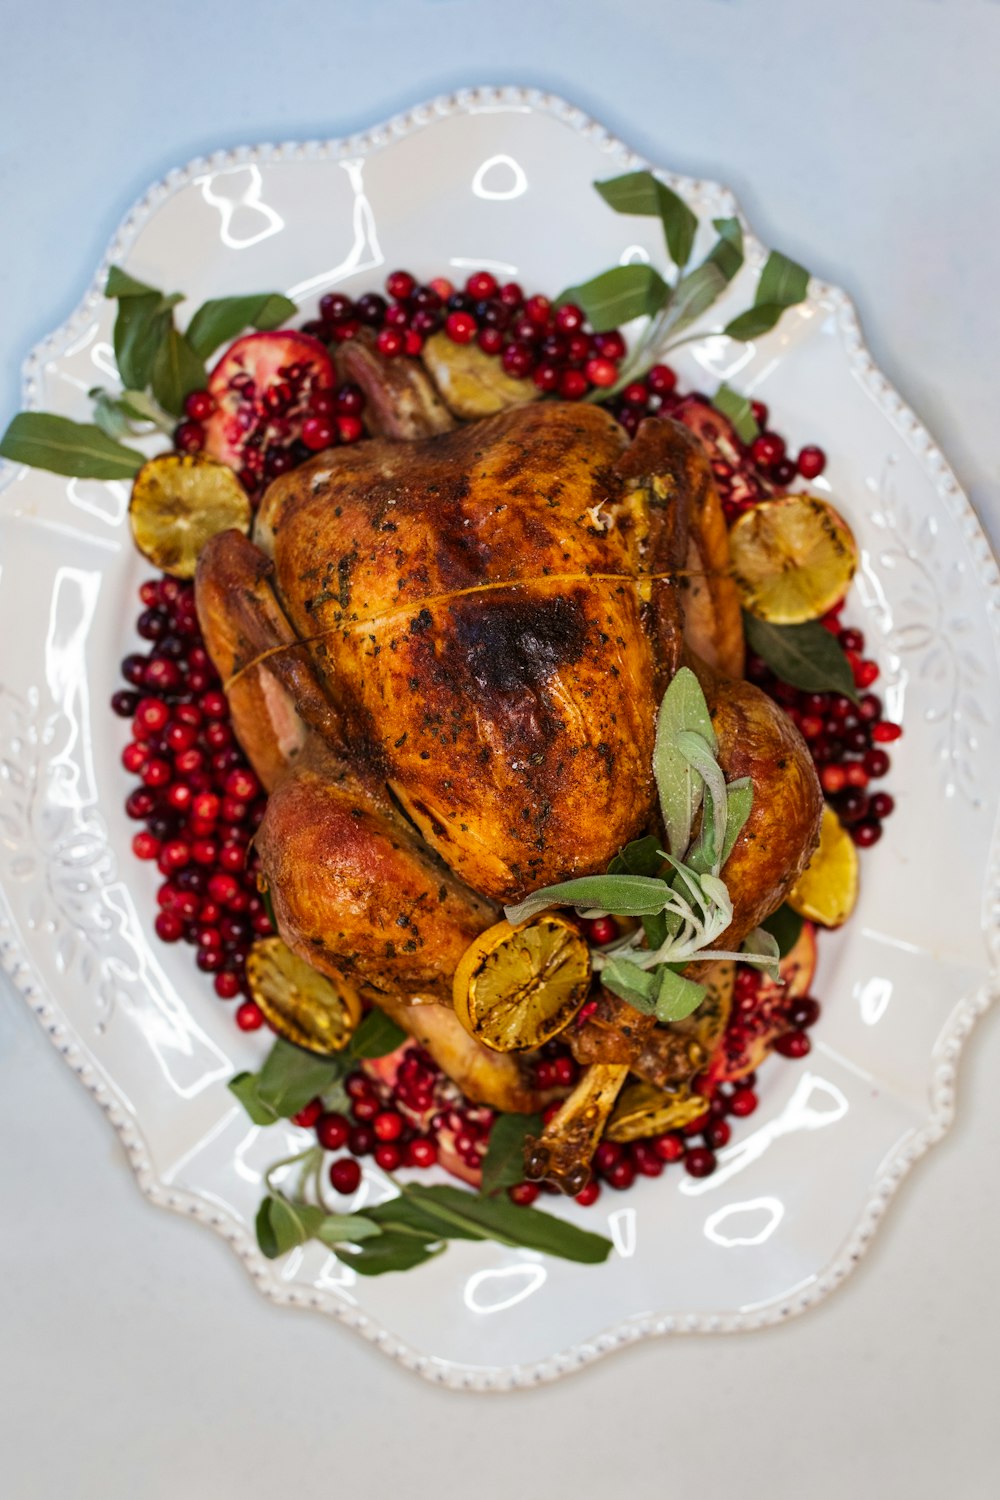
(291, 1077)
(640, 291)
(738, 410)
(158, 366)
(410, 1229)
(678, 892)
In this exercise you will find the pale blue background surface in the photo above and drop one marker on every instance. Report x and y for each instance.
(863, 136)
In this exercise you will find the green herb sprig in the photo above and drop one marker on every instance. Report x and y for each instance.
(678, 892)
(412, 1228)
(640, 291)
(158, 366)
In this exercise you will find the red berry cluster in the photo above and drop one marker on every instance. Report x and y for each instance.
(846, 740)
(197, 799)
(531, 338)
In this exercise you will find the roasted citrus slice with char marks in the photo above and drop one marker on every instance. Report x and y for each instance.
(301, 1005)
(643, 1110)
(827, 889)
(517, 987)
(179, 502)
(793, 558)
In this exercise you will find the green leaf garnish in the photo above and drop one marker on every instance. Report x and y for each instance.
(177, 371)
(503, 1164)
(805, 656)
(727, 252)
(785, 926)
(693, 295)
(121, 284)
(390, 1252)
(376, 1036)
(739, 411)
(783, 283)
(761, 946)
(618, 296)
(677, 997)
(623, 895)
(642, 193)
(679, 786)
(222, 318)
(78, 449)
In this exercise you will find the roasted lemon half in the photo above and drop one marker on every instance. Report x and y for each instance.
(827, 889)
(179, 501)
(301, 1005)
(516, 987)
(793, 558)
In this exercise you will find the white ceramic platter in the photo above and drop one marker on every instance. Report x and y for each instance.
(501, 179)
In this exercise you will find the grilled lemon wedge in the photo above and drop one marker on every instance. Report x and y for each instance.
(827, 889)
(301, 1005)
(793, 558)
(179, 501)
(517, 987)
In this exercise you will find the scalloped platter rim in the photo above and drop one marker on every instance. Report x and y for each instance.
(472, 178)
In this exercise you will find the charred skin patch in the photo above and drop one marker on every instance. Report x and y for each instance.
(516, 645)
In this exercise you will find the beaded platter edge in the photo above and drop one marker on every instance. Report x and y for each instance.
(17, 965)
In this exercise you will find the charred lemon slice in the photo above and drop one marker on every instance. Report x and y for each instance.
(179, 501)
(473, 384)
(301, 1005)
(793, 558)
(827, 889)
(643, 1110)
(515, 987)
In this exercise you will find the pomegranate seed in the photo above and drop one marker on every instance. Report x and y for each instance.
(885, 732)
(589, 1194)
(249, 1016)
(742, 1102)
(400, 285)
(564, 1072)
(700, 1161)
(811, 462)
(345, 1176)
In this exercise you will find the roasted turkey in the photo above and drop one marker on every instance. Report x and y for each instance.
(443, 655)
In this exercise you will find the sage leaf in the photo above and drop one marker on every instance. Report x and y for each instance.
(783, 282)
(244, 1086)
(177, 371)
(696, 751)
(222, 318)
(141, 327)
(693, 295)
(738, 410)
(121, 284)
(623, 895)
(639, 987)
(389, 1252)
(503, 1164)
(501, 1220)
(642, 193)
(761, 947)
(619, 295)
(727, 252)
(78, 449)
(785, 926)
(335, 1229)
(282, 1225)
(678, 784)
(755, 321)
(640, 857)
(739, 806)
(290, 1077)
(376, 1036)
(805, 656)
(677, 997)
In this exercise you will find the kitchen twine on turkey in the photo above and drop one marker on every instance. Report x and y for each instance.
(414, 606)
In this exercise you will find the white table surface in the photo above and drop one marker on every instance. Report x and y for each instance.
(861, 135)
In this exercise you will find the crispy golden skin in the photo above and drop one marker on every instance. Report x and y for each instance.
(473, 606)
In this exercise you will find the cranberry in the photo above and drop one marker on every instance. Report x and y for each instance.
(717, 1134)
(699, 1161)
(169, 926)
(345, 1176)
(600, 371)
(621, 1175)
(885, 732)
(371, 309)
(783, 473)
(569, 318)
(607, 1155)
(546, 376)
(189, 437)
(523, 1193)
(511, 294)
(388, 1125)
(833, 779)
(572, 385)
(767, 449)
(865, 834)
(249, 1016)
(646, 1160)
(309, 1114)
(589, 1194)
(357, 1086)
(361, 1141)
(227, 984)
(420, 1153)
(760, 413)
(564, 1072)
(742, 1102)
(636, 395)
(852, 806)
(388, 1156)
(537, 310)
(518, 360)
(611, 345)
(366, 1108)
(490, 340)
(400, 285)
(460, 327)
(124, 703)
(876, 763)
(481, 285)
(335, 307)
(804, 1012)
(882, 805)
(793, 1044)
(350, 401)
(669, 1147)
(811, 461)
